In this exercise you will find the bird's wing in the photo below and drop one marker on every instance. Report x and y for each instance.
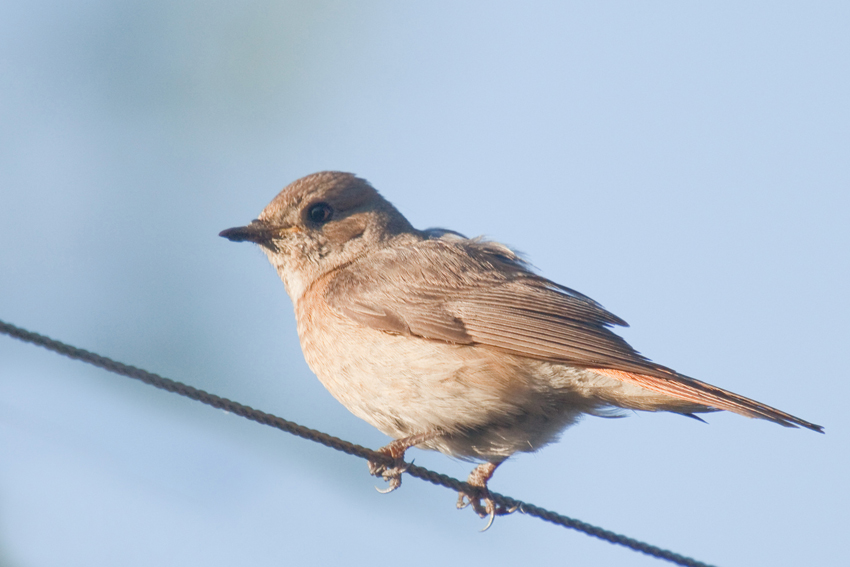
(476, 292)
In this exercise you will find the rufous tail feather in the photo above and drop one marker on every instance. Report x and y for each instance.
(689, 389)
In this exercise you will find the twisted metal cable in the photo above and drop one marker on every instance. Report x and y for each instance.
(169, 385)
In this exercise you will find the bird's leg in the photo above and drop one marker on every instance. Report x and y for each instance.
(478, 479)
(395, 450)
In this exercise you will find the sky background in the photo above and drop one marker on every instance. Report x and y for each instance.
(685, 165)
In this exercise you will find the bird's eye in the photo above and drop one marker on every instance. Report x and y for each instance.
(320, 213)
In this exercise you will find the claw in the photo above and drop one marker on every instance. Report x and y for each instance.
(395, 482)
(391, 474)
(492, 517)
(495, 510)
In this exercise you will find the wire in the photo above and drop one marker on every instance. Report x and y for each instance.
(336, 443)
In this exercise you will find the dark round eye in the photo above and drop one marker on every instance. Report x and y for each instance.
(320, 213)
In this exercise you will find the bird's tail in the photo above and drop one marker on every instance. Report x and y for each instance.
(689, 389)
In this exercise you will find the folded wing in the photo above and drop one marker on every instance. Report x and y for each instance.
(476, 292)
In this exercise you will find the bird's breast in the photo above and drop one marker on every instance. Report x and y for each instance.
(404, 384)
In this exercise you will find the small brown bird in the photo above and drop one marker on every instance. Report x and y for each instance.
(454, 344)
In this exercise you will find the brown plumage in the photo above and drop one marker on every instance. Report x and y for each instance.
(450, 343)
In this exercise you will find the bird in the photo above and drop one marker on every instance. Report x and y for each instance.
(454, 344)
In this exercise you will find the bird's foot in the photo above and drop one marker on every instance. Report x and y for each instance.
(484, 506)
(480, 499)
(391, 472)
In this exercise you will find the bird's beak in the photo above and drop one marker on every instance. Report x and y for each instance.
(257, 232)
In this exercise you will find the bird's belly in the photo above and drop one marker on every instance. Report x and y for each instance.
(487, 403)
(402, 385)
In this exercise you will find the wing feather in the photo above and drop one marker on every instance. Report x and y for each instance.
(475, 292)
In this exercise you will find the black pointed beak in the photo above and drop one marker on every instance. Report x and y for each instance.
(256, 232)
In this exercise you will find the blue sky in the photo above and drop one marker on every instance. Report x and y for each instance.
(684, 165)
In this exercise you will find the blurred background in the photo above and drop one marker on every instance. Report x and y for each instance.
(685, 165)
